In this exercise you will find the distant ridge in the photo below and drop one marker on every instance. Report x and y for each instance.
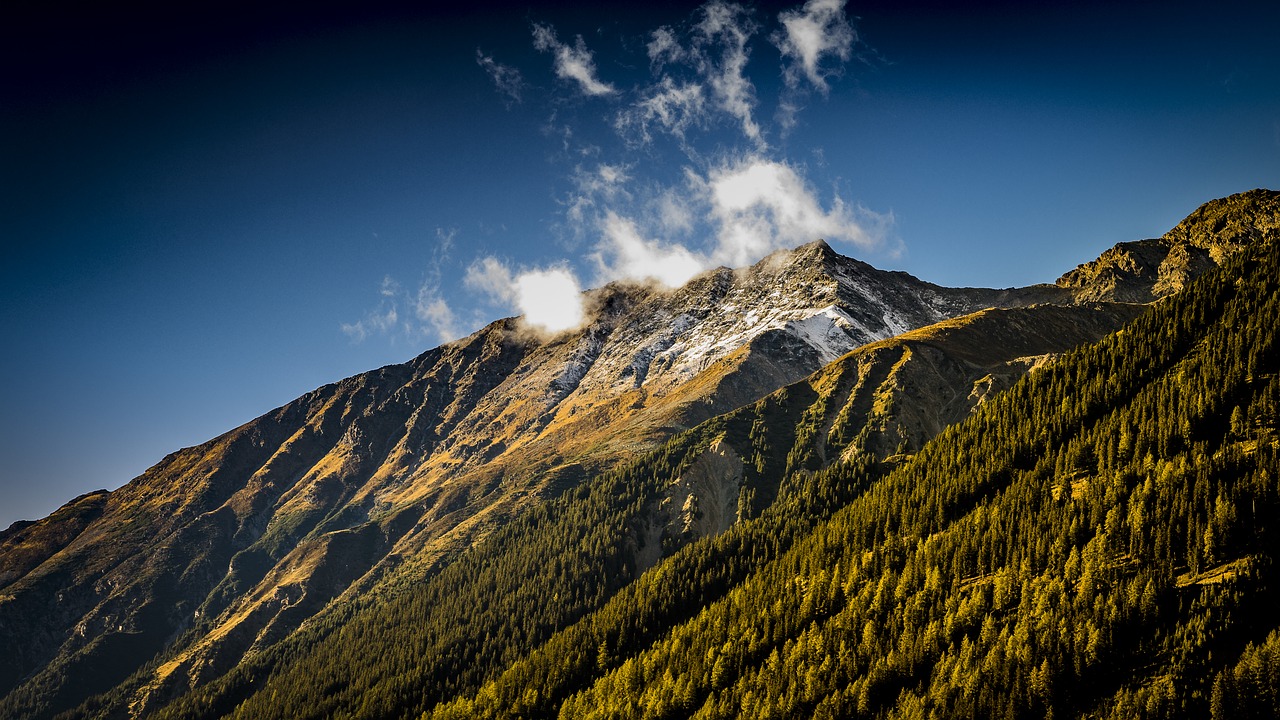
(1147, 270)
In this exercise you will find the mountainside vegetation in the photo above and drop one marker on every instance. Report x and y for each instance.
(1012, 513)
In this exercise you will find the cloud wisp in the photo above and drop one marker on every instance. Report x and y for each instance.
(811, 35)
(699, 72)
(383, 320)
(698, 80)
(507, 79)
(571, 63)
(728, 28)
(423, 314)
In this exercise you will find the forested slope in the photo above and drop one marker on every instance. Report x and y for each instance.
(1098, 540)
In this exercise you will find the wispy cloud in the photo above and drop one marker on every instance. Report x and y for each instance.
(382, 320)
(603, 184)
(700, 76)
(414, 316)
(571, 63)
(431, 309)
(668, 106)
(663, 47)
(507, 79)
(810, 35)
(700, 79)
(727, 27)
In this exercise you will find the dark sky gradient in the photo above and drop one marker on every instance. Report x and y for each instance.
(198, 196)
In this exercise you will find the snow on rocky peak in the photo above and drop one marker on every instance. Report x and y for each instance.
(826, 302)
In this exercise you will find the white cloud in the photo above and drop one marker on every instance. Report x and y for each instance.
(506, 78)
(605, 184)
(571, 63)
(623, 253)
(492, 277)
(390, 287)
(673, 213)
(549, 299)
(759, 205)
(664, 48)
(430, 308)
(728, 26)
(809, 35)
(672, 107)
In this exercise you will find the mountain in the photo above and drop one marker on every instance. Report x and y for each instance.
(1147, 270)
(398, 494)
(384, 474)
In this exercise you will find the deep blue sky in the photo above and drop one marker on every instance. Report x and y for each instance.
(211, 210)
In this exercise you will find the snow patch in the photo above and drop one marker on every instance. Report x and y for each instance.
(830, 331)
(580, 361)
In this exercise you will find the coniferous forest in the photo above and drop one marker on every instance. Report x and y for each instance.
(1097, 541)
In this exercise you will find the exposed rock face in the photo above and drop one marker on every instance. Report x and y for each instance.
(1148, 270)
(702, 501)
(222, 549)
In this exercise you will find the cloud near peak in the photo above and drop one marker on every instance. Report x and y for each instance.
(733, 214)
(762, 205)
(622, 220)
(623, 253)
(549, 299)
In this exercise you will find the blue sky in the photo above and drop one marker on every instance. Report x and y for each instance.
(209, 211)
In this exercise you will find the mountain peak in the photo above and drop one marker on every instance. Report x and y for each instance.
(815, 247)
(1146, 270)
(1227, 224)
(815, 251)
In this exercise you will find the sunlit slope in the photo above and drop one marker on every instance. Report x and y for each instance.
(739, 482)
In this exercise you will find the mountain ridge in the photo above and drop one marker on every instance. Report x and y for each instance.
(227, 547)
